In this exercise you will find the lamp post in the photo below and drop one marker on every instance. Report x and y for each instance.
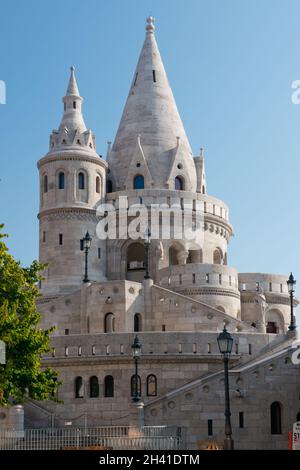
(136, 354)
(86, 245)
(291, 283)
(225, 342)
(147, 246)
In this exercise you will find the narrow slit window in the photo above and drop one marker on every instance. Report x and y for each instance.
(81, 180)
(60, 238)
(45, 184)
(209, 427)
(99, 253)
(135, 80)
(81, 244)
(98, 184)
(241, 419)
(74, 104)
(154, 76)
(44, 237)
(61, 180)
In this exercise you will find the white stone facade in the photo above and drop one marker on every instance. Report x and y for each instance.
(179, 311)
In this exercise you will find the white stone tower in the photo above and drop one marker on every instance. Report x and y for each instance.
(72, 181)
(151, 162)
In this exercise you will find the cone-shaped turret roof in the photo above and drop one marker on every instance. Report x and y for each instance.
(151, 115)
(72, 118)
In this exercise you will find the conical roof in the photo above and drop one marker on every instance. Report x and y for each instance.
(151, 115)
(72, 118)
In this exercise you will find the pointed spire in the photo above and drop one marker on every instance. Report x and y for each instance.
(72, 118)
(151, 111)
(150, 28)
(72, 85)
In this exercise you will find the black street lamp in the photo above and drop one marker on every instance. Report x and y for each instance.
(86, 245)
(291, 283)
(147, 246)
(136, 354)
(225, 342)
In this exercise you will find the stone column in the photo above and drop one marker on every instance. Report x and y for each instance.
(182, 256)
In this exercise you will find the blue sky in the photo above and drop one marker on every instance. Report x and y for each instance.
(230, 64)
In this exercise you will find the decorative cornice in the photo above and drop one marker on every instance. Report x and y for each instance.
(69, 213)
(213, 222)
(82, 158)
(147, 358)
(248, 297)
(208, 291)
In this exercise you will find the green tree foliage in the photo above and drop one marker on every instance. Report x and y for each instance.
(23, 374)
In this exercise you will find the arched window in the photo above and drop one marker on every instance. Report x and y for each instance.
(98, 184)
(138, 182)
(276, 418)
(271, 327)
(79, 389)
(109, 186)
(173, 252)
(195, 256)
(109, 386)
(135, 385)
(151, 386)
(137, 322)
(81, 180)
(179, 184)
(61, 180)
(217, 257)
(94, 387)
(135, 256)
(109, 323)
(274, 321)
(45, 183)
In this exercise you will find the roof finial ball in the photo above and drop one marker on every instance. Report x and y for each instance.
(150, 28)
(72, 68)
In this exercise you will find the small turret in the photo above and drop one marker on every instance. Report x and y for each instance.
(72, 130)
(72, 183)
(200, 170)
